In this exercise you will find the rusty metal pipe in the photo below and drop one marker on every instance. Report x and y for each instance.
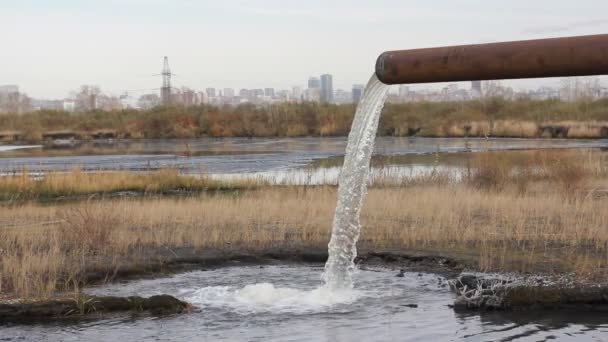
(556, 57)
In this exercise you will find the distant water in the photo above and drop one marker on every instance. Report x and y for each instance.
(241, 156)
(352, 187)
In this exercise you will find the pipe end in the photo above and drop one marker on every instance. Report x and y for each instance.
(381, 67)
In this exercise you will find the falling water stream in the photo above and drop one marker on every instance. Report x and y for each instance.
(352, 187)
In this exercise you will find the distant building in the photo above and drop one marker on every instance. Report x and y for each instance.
(258, 92)
(357, 92)
(69, 105)
(543, 93)
(476, 88)
(314, 83)
(342, 96)
(312, 95)
(8, 89)
(284, 96)
(148, 101)
(297, 94)
(10, 99)
(210, 92)
(127, 101)
(269, 92)
(327, 88)
(229, 93)
(189, 98)
(202, 97)
(47, 105)
(244, 93)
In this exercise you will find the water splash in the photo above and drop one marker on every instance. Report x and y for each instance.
(352, 187)
(265, 297)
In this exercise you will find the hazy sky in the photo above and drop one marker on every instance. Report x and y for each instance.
(50, 47)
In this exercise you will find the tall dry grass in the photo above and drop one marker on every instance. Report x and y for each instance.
(546, 225)
(42, 246)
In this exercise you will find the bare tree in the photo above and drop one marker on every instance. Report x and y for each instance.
(580, 88)
(86, 98)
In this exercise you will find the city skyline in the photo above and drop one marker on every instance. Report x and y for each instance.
(90, 97)
(117, 44)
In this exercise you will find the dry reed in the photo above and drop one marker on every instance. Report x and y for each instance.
(24, 186)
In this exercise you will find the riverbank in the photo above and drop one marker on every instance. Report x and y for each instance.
(79, 185)
(492, 117)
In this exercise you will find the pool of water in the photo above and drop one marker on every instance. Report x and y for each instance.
(286, 303)
(242, 155)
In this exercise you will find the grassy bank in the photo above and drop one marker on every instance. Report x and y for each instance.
(541, 211)
(490, 117)
(75, 183)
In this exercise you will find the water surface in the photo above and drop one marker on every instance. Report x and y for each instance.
(243, 155)
(275, 303)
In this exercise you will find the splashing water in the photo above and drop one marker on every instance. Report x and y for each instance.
(352, 187)
(266, 297)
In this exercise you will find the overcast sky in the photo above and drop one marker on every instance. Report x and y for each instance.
(51, 47)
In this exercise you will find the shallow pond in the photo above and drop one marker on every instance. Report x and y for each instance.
(285, 303)
(242, 155)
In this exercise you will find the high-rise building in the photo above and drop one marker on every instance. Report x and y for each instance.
(210, 92)
(327, 88)
(314, 83)
(189, 97)
(357, 92)
(228, 92)
(269, 92)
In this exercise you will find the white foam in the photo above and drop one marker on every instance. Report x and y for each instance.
(265, 297)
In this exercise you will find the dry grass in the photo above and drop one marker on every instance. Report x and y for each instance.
(511, 128)
(521, 129)
(565, 172)
(41, 244)
(546, 225)
(77, 183)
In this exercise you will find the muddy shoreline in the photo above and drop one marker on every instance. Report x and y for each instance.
(190, 259)
(89, 307)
